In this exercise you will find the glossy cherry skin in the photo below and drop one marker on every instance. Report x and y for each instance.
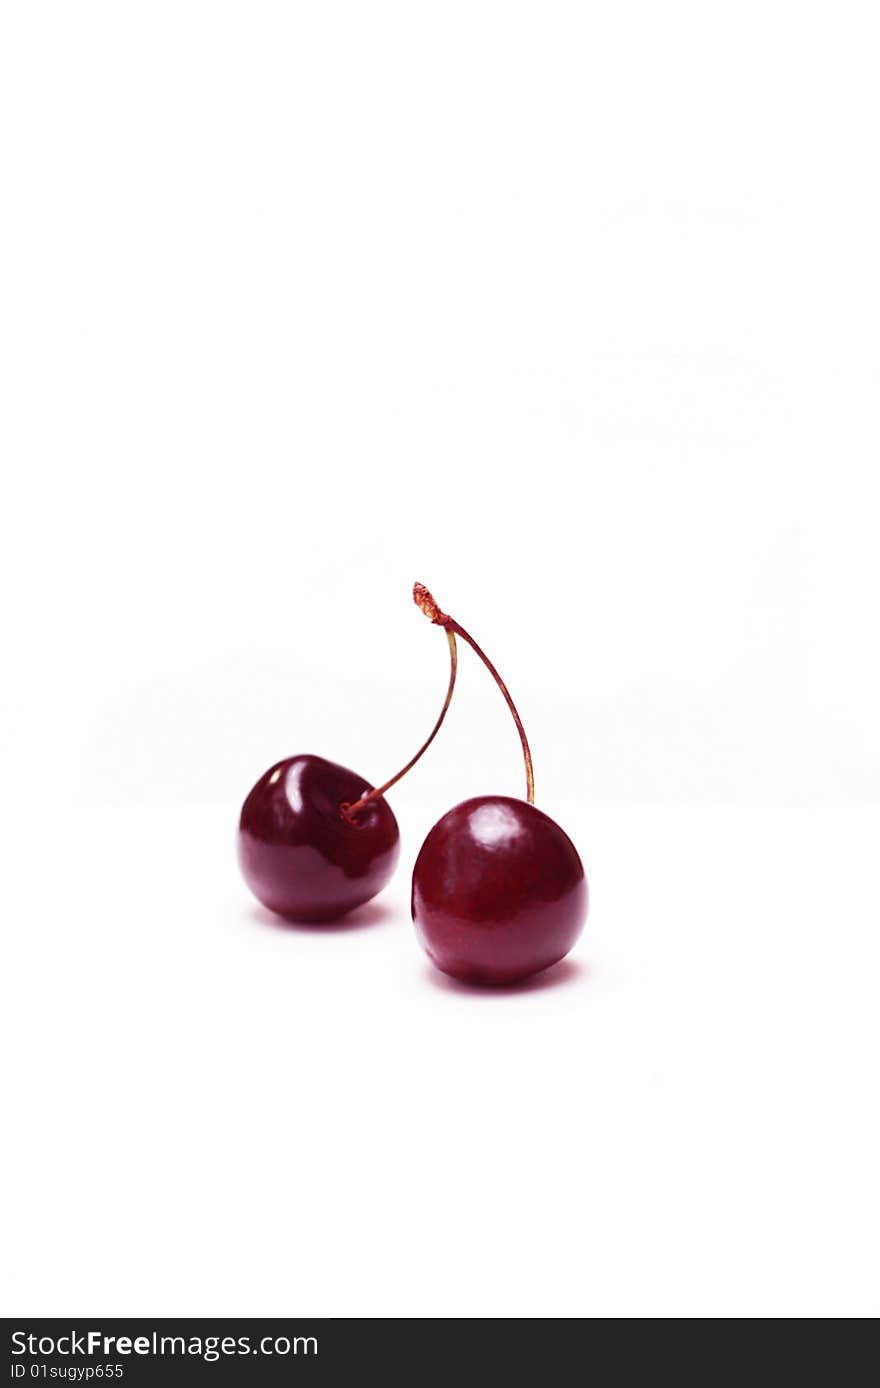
(299, 855)
(499, 891)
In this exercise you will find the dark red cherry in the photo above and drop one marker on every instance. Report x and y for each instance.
(300, 854)
(498, 891)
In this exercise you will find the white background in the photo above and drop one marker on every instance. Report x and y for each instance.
(570, 311)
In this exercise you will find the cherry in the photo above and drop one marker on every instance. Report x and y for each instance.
(300, 855)
(315, 840)
(498, 890)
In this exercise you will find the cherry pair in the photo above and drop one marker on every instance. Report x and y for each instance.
(498, 889)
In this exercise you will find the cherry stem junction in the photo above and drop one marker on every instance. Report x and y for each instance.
(349, 811)
(427, 604)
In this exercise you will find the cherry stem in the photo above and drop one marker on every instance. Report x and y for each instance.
(349, 811)
(425, 601)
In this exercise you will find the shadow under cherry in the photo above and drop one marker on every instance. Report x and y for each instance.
(566, 973)
(372, 913)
